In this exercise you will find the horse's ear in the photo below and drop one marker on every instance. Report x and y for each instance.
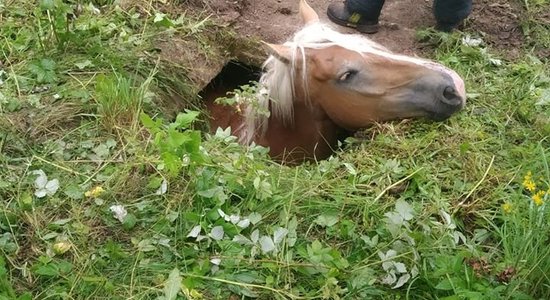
(281, 52)
(307, 13)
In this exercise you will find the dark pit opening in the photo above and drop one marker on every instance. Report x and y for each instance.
(233, 75)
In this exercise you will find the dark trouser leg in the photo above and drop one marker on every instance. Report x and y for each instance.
(369, 9)
(449, 13)
(359, 14)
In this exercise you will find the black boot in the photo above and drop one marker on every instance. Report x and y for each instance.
(340, 14)
(450, 13)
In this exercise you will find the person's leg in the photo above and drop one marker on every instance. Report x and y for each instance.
(368, 9)
(360, 14)
(449, 13)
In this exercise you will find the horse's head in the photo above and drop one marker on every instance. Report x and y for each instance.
(357, 82)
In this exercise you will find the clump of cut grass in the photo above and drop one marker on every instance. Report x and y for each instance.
(120, 101)
(46, 122)
(536, 25)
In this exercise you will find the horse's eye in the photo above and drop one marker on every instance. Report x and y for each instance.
(347, 75)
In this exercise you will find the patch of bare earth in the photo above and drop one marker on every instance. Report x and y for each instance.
(499, 23)
(274, 21)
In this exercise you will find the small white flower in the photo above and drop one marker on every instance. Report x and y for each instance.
(495, 61)
(119, 212)
(216, 261)
(163, 188)
(44, 187)
(472, 42)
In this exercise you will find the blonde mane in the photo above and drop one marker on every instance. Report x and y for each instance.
(276, 90)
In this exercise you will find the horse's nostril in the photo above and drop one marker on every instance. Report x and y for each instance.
(450, 96)
(449, 93)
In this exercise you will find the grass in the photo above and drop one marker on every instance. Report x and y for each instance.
(119, 102)
(107, 194)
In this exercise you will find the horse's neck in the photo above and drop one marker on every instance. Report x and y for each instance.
(312, 136)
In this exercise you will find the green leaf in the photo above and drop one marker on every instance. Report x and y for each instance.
(363, 277)
(82, 65)
(350, 168)
(248, 277)
(25, 296)
(217, 233)
(59, 223)
(279, 234)
(292, 234)
(404, 209)
(172, 285)
(49, 236)
(267, 244)
(26, 202)
(326, 220)
(101, 150)
(255, 218)
(444, 285)
(176, 138)
(544, 99)
(155, 182)
(47, 64)
(183, 120)
(110, 143)
(148, 122)
(159, 17)
(64, 267)
(53, 269)
(244, 291)
(146, 246)
(47, 4)
(194, 143)
(74, 192)
(129, 221)
(241, 239)
(162, 20)
(7, 243)
(210, 193)
(47, 270)
(171, 162)
(44, 70)
(172, 216)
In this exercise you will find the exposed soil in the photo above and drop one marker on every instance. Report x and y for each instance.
(499, 23)
(275, 20)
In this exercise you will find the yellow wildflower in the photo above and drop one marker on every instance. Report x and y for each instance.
(507, 207)
(95, 192)
(528, 182)
(537, 198)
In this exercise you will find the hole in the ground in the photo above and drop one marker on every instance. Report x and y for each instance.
(233, 75)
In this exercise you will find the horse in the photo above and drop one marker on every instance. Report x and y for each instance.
(322, 85)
